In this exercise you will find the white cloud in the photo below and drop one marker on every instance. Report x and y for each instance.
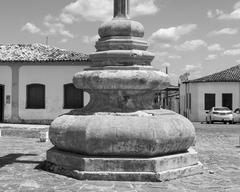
(237, 5)
(233, 15)
(211, 57)
(225, 31)
(159, 59)
(161, 54)
(102, 10)
(93, 10)
(142, 7)
(163, 45)
(210, 14)
(67, 18)
(193, 70)
(238, 61)
(191, 45)
(215, 47)
(236, 45)
(31, 28)
(87, 39)
(55, 27)
(172, 33)
(174, 57)
(214, 14)
(232, 52)
(221, 15)
(64, 40)
(166, 64)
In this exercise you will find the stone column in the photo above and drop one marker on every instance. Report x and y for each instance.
(121, 8)
(15, 92)
(119, 135)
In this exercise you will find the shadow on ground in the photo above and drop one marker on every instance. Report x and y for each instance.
(12, 158)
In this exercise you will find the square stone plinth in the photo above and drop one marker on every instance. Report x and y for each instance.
(123, 169)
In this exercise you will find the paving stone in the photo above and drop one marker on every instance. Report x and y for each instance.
(216, 146)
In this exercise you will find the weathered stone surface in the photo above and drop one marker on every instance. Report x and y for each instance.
(131, 169)
(121, 43)
(121, 27)
(146, 133)
(121, 58)
(114, 132)
(121, 79)
(116, 101)
(121, 164)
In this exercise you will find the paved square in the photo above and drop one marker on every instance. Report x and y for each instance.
(216, 145)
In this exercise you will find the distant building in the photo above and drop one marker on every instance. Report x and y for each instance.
(36, 82)
(219, 89)
(168, 98)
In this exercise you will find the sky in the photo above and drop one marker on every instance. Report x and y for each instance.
(198, 37)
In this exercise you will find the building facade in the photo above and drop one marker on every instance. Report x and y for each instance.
(168, 98)
(219, 89)
(36, 83)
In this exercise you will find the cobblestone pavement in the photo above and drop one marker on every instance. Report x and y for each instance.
(216, 145)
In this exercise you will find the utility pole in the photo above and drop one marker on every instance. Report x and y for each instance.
(46, 40)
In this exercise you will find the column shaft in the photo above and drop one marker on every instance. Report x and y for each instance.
(121, 8)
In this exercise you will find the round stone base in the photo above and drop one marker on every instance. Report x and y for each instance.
(139, 134)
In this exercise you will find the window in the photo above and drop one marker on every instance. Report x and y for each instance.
(35, 96)
(227, 100)
(73, 97)
(209, 101)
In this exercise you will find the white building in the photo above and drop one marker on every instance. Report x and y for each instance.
(36, 82)
(168, 98)
(219, 89)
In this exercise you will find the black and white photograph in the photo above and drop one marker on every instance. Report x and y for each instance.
(119, 95)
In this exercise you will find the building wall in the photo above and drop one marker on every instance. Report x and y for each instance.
(182, 97)
(218, 88)
(53, 77)
(198, 90)
(195, 98)
(174, 102)
(6, 80)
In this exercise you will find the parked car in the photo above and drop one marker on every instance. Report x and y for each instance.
(219, 114)
(236, 116)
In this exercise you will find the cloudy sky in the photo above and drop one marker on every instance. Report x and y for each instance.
(195, 36)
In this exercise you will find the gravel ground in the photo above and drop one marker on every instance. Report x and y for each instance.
(217, 146)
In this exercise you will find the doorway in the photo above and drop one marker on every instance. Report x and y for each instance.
(227, 100)
(1, 103)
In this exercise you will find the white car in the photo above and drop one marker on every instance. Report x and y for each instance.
(219, 114)
(236, 116)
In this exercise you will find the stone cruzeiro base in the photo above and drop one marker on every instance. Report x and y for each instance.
(123, 169)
